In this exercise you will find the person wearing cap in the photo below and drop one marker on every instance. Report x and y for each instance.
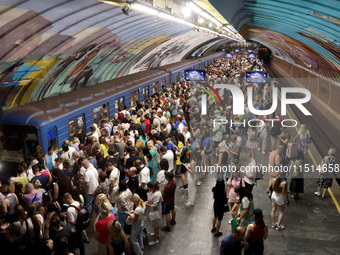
(168, 195)
(255, 234)
(234, 243)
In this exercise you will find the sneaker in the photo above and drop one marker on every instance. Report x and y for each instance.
(166, 229)
(173, 222)
(259, 149)
(274, 225)
(188, 204)
(280, 228)
(317, 194)
(152, 234)
(263, 153)
(184, 187)
(199, 183)
(153, 242)
(217, 234)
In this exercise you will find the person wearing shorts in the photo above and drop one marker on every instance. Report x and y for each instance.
(278, 200)
(169, 201)
(219, 201)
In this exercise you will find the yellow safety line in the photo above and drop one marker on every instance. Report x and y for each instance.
(316, 165)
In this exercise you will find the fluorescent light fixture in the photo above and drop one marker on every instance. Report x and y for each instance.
(204, 14)
(201, 20)
(143, 8)
(165, 16)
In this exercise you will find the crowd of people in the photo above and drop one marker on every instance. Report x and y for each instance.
(125, 172)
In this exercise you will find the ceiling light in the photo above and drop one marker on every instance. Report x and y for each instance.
(143, 8)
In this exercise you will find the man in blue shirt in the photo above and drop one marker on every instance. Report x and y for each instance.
(233, 243)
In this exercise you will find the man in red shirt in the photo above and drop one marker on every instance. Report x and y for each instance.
(169, 201)
(147, 123)
(120, 115)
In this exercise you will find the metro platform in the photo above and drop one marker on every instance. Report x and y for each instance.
(311, 223)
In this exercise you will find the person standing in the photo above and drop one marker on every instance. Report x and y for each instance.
(249, 171)
(102, 232)
(154, 208)
(219, 201)
(50, 158)
(169, 201)
(71, 215)
(124, 202)
(262, 135)
(91, 182)
(255, 234)
(278, 199)
(137, 224)
(297, 183)
(326, 173)
(117, 241)
(304, 139)
(246, 214)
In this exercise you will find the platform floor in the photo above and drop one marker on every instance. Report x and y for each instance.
(312, 224)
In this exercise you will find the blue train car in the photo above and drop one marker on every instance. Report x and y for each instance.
(27, 131)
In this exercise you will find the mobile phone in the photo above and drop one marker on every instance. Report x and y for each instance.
(126, 211)
(66, 205)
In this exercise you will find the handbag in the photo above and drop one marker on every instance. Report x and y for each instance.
(234, 224)
(234, 210)
(154, 215)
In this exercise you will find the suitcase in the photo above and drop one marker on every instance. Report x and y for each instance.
(291, 150)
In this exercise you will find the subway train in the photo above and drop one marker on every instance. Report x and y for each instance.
(27, 131)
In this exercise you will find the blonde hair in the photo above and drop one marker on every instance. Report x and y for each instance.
(76, 140)
(331, 152)
(105, 208)
(103, 197)
(303, 129)
(116, 232)
(137, 200)
(276, 184)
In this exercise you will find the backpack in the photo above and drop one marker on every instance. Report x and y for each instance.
(83, 218)
(274, 131)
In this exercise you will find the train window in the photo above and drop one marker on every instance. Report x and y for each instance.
(52, 138)
(145, 92)
(155, 87)
(122, 102)
(163, 83)
(71, 129)
(134, 98)
(177, 77)
(81, 124)
(100, 113)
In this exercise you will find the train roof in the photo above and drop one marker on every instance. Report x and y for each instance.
(39, 113)
(184, 63)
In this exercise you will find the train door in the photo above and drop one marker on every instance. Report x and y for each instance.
(163, 84)
(52, 138)
(145, 91)
(134, 98)
(77, 125)
(101, 112)
(119, 103)
(155, 87)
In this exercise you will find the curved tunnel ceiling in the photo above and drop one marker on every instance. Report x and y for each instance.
(52, 47)
(303, 32)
